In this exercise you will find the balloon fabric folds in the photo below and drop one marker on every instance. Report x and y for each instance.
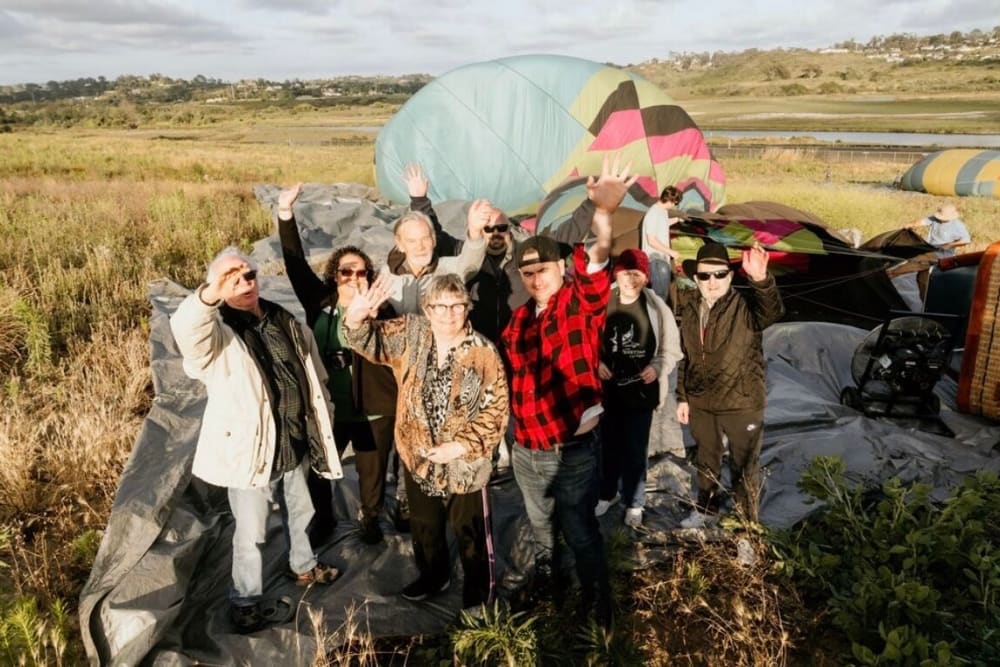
(957, 171)
(511, 130)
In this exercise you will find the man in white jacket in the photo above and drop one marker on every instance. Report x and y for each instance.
(267, 418)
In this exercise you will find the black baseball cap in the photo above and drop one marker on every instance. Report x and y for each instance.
(546, 249)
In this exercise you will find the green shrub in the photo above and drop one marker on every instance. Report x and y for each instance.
(30, 638)
(498, 637)
(794, 89)
(909, 581)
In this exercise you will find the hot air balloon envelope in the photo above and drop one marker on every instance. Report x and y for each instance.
(513, 129)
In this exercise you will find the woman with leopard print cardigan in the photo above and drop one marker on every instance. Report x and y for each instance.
(451, 412)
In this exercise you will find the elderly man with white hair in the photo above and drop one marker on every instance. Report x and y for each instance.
(267, 418)
(416, 242)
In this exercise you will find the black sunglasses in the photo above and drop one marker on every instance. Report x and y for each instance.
(500, 229)
(718, 275)
(249, 276)
(348, 273)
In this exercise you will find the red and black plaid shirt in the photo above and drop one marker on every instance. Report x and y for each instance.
(553, 358)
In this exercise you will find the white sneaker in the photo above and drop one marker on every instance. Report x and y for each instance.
(696, 519)
(745, 555)
(603, 505)
(633, 517)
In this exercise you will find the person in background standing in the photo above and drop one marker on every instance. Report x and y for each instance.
(640, 349)
(656, 225)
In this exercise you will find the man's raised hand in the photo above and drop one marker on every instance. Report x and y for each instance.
(416, 182)
(608, 190)
(225, 286)
(479, 215)
(755, 262)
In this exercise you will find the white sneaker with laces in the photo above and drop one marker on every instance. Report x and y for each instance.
(633, 517)
(697, 519)
(602, 505)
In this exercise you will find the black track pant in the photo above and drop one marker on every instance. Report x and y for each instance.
(744, 430)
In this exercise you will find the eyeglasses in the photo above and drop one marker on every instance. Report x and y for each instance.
(703, 276)
(249, 276)
(442, 308)
(499, 229)
(352, 273)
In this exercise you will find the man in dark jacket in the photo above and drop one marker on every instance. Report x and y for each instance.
(720, 381)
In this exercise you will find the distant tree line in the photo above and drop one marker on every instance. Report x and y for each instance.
(158, 88)
(910, 42)
(687, 61)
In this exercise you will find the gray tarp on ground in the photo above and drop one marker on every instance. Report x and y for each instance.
(157, 591)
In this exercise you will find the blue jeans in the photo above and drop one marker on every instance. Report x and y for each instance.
(624, 452)
(251, 508)
(660, 273)
(559, 487)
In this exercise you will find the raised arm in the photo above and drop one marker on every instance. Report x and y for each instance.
(416, 186)
(470, 260)
(381, 342)
(764, 300)
(309, 288)
(607, 193)
(197, 326)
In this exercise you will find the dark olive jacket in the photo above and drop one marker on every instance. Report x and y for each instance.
(726, 372)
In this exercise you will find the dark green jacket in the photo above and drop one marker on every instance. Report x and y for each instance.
(726, 373)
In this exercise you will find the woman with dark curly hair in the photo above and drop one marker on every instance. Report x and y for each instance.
(363, 393)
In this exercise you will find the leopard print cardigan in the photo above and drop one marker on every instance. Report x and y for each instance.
(476, 411)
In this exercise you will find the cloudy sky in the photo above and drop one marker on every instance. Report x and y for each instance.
(42, 40)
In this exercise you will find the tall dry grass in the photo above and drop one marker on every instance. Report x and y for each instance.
(87, 222)
(850, 195)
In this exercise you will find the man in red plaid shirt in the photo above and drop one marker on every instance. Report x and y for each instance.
(552, 344)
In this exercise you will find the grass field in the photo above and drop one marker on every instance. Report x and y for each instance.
(973, 114)
(88, 218)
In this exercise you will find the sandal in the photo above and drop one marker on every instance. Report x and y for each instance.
(321, 573)
(277, 610)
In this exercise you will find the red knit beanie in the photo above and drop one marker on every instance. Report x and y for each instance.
(632, 259)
